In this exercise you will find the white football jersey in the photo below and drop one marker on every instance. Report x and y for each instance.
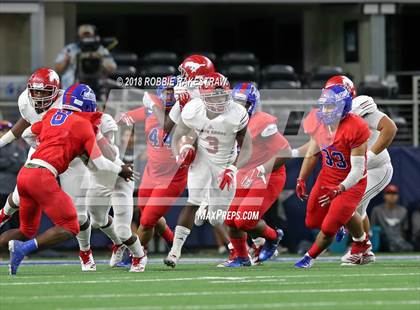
(216, 137)
(27, 111)
(175, 113)
(372, 119)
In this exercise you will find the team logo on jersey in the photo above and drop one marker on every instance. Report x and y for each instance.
(193, 66)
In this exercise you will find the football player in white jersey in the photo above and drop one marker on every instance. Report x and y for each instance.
(42, 93)
(100, 190)
(192, 69)
(220, 126)
(379, 167)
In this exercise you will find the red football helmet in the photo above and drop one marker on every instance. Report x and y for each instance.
(344, 81)
(195, 65)
(43, 88)
(215, 92)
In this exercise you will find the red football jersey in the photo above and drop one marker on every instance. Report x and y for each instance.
(161, 162)
(266, 140)
(351, 133)
(64, 135)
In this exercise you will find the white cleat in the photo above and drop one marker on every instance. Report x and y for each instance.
(86, 261)
(358, 259)
(117, 254)
(171, 260)
(138, 264)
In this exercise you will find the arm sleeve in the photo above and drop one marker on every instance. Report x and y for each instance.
(356, 172)
(374, 118)
(175, 113)
(138, 115)
(104, 164)
(7, 138)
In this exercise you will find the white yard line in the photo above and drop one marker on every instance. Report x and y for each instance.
(205, 278)
(212, 293)
(263, 305)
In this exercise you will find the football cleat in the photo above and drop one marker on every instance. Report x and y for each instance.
(117, 254)
(86, 260)
(126, 261)
(4, 218)
(305, 262)
(171, 260)
(359, 254)
(270, 247)
(340, 234)
(237, 262)
(16, 255)
(138, 264)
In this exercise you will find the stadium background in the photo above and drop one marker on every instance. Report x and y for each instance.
(373, 43)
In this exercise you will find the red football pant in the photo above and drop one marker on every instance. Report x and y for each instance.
(155, 202)
(338, 213)
(39, 192)
(255, 199)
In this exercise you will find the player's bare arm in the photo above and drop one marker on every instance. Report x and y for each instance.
(387, 131)
(245, 144)
(310, 160)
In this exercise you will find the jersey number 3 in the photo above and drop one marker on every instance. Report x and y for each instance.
(335, 158)
(60, 117)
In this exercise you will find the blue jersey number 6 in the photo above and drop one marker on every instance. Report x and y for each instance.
(60, 117)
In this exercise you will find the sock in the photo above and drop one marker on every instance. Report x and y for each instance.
(110, 232)
(29, 246)
(181, 234)
(361, 239)
(136, 248)
(240, 247)
(259, 241)
(168, 235)
(8, 209)
(269, 233)
(314, 251)
(83, 238)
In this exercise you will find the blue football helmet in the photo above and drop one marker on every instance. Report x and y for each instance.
(244, 93)
(334, 104)
(79, 98)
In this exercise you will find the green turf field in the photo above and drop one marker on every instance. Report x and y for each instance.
(274, 285)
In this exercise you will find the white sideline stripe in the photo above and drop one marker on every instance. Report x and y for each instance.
(210, 293)
(265, 305)
(234, 279)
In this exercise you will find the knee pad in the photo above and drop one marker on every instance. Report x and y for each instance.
(15, 197)
(84, 225)
(123, 232)
(82, 219)
(245, 225)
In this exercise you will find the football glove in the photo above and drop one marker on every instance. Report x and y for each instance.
(227, 177)
(330, 194)
(301, 189)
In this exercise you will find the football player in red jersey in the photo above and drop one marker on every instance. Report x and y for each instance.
(62, 135)
(163, 179)
(341, 138)
(259, 183)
